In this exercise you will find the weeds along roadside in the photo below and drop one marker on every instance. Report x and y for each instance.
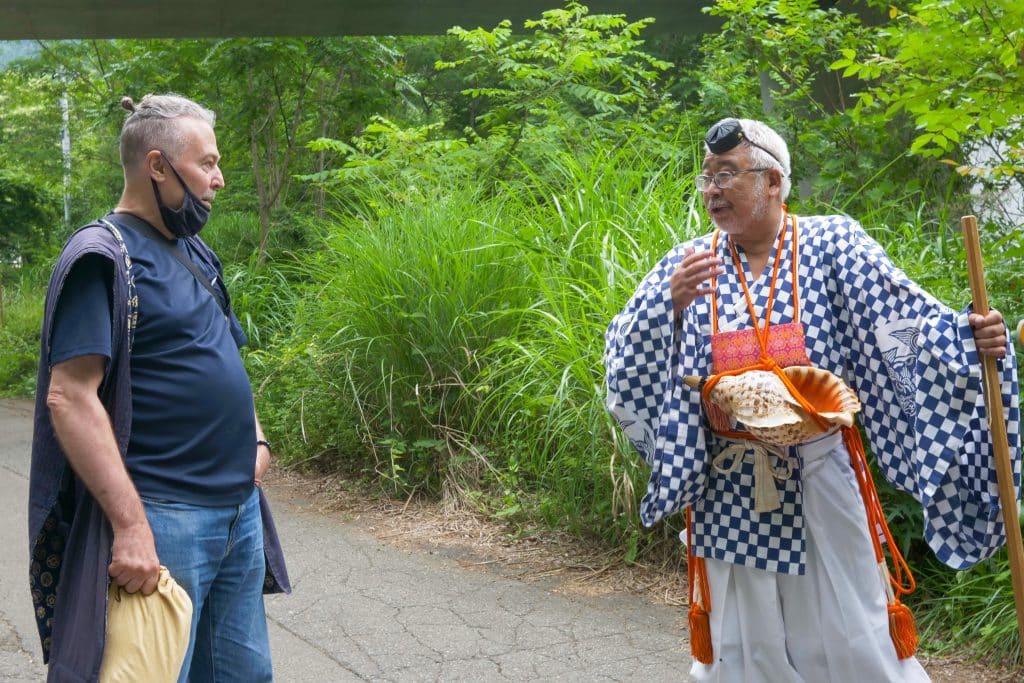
(446, 341)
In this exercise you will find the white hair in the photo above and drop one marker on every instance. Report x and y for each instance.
(153, 124)
(767, 150)
(762, 135)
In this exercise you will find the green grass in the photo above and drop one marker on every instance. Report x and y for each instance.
(585, 238)
(972, 611)
(22, 306)
(449, 338)
(401, 301)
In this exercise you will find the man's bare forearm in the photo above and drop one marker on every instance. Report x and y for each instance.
(87, 438)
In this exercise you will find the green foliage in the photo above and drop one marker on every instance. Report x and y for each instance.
(589, 65)
(21, 317)
(505, 369)
(271, 95)
(771, 61)
(584, 239)
(30, 127)
(27, 218)
(451, 336)
(405, 298)
(974, 611)
(788, 41)
(397, 161)
(294, 89)
(968, 95)
(576, 76)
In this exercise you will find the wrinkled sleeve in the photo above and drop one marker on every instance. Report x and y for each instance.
(918, 374)
(647, 351)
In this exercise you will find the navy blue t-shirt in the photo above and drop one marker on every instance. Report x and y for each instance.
(193, 436)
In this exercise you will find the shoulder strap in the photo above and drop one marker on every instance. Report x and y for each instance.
(148, 231)
(127, 272)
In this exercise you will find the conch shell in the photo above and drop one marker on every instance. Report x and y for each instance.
(762, 403)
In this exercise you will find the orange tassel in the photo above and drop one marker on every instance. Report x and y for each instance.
(700, 634)
(700, 623)
(902, 629)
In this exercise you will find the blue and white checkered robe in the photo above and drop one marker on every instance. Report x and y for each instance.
(911, 360)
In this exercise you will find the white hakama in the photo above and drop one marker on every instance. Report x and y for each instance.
(829, 625)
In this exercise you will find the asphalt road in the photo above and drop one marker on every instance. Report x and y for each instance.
(365, 611)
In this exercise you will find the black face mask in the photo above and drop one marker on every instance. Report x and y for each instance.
(190, 218)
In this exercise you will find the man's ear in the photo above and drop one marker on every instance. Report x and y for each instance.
(775, 180)
(156, 166)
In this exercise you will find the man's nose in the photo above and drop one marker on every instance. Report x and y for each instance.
(218, 180)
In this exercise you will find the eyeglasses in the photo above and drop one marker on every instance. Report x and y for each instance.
(723, 179)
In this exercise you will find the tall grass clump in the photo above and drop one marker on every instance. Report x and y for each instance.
(452, 342)
(266, 300)
(404, 298)
(587, 233)
(233, 235)
(22, 318)
(973, 611)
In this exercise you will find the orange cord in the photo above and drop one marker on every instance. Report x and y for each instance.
(743, 280)
(876, 519)
(901, 620)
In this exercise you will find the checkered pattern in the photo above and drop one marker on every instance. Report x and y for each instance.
(911, 360)
(728, 529)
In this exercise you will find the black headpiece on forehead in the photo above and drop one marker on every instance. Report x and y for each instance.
(728, 133)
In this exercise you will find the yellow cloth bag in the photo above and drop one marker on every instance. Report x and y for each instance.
(147, 635)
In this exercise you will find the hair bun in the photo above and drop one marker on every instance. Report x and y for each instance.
(128, 103)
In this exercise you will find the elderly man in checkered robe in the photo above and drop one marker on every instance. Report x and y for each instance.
(795, 591)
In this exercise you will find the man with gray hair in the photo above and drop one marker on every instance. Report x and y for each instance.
(147, 451)
(788, 581)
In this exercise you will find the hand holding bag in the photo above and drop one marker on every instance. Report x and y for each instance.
(147, 635)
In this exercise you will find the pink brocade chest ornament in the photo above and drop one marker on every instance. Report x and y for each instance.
(740, 348)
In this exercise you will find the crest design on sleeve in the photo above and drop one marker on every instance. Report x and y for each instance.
(640, 437)
(897, 340)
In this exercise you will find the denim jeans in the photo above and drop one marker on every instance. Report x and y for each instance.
(216, 555)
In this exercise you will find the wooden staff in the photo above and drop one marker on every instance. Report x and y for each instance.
(997, 425)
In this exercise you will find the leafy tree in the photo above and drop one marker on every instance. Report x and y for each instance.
(271, 96)
(30, 132)
(277, 94)
(86, 74)
(576, 72)
(957, 70)
(26, 219)
(771, 61)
